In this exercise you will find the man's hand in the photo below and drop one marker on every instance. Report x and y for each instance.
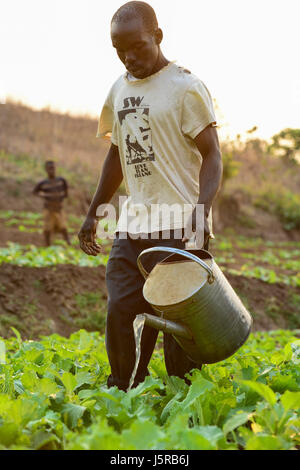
(110, 180)
(202, 233)
(87, 237)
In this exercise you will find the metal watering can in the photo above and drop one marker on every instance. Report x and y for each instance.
(194, 301)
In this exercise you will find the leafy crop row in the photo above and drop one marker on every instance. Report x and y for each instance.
(33, 256)
(53, 395)
(266, 275)
(234, 241)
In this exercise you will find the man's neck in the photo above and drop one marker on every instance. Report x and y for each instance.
(160, 63)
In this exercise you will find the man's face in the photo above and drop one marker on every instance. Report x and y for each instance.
(136, 47)
(50, 169)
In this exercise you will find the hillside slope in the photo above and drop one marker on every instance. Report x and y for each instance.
(69, 140)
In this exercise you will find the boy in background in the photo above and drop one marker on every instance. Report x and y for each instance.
(53, 190)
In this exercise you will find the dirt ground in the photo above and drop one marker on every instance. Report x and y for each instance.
(63, 298)
(15, 236)
(42, 301)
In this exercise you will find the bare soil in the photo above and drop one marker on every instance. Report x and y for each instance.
(42, 301)
(14, 235)
(270, 305)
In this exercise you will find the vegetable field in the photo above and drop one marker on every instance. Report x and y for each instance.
(53, 395)
(54, 367)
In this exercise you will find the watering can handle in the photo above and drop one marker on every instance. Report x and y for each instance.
(174, 251)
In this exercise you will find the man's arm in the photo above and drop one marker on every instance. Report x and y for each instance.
(66, 188)
(210, 176)
(110, 180)
(37, 189)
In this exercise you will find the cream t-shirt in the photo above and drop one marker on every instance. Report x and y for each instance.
(153, 121)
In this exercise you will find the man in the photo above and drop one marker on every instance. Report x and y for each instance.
(165, 146)
(53, 190)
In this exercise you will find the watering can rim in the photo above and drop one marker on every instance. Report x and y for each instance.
(190, 256)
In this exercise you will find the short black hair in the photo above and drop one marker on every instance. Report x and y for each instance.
(49, 162)
(140, 10)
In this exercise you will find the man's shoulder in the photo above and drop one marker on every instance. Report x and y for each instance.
(117, 84)
(183, 76)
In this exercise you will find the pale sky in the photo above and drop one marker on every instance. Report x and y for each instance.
(58, 53)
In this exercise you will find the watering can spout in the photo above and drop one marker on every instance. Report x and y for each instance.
(166, 326)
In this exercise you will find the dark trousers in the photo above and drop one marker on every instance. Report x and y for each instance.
(125, 300)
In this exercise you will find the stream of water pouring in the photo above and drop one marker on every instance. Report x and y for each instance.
(138, 327)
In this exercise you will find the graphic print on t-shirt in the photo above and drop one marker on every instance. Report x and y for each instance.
(134, 119)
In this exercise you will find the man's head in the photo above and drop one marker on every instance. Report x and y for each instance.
(50, 168)
(136, 37)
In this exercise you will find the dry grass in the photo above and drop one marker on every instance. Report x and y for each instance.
(46, 135)
(258, 170)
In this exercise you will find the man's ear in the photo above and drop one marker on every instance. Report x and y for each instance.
(158, 36)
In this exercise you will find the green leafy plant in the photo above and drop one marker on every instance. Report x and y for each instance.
(90, 312)
(53, 395)
(33, 256)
